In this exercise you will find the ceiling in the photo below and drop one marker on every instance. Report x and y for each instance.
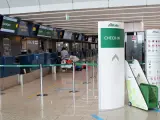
(86, 20)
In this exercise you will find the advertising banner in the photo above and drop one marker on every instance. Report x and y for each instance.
(111, 65)
(153, 56)
(9, 24)
(152, 59)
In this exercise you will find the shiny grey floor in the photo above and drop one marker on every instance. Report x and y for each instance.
(21, 102)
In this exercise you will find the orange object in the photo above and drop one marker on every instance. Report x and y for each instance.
(69, 61)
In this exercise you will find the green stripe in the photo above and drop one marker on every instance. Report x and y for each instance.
(50, 65)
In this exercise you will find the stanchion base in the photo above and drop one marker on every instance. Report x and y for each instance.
(86, 82)
(73, 91)
(42, 95)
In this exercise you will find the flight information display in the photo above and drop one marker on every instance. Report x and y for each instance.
(45, 31)
(54, 34)
(23, 28)
(9, 24)
(67, 35)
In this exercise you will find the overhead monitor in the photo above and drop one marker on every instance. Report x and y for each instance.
(60, 33)
(54, 34)
(23, 28)
(67, 35)
(33, 29)
(73, 36)
(76, 36)
(86, 38)
(45, 31)
(80, 37)
(9, 24)
(89, 39)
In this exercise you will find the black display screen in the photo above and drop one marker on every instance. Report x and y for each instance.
(23, 28)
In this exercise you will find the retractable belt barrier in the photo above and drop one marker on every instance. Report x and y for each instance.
(50, 65)
(20, 78)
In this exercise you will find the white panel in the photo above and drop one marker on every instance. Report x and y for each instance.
(151, 2)
(55, 7)
(4, 10)
(85, 4)
(25, 9)
(46, 2)
(138, 26)
(23, 3)
(128, 27)
(119, 3)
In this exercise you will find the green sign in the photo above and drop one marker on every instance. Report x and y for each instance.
(9, 24)
(45, 31)
(112, 38)
(49, 32)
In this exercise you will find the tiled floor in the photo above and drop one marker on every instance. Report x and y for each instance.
(21, 103)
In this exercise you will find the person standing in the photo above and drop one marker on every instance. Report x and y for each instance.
(64, 53)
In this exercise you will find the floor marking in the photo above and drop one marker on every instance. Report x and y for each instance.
(156, 110)
(96, 117)
(33, 95)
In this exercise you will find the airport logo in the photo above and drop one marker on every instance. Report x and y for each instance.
(113, 25)
(155, 31)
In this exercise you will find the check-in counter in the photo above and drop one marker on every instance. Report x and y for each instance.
(1, 67)
(9, 75)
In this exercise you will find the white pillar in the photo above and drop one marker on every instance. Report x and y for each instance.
(111, 65)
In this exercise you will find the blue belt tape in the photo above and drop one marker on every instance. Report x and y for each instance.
(97, 117)
(156, 110)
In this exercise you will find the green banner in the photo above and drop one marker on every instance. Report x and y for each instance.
(112, 38)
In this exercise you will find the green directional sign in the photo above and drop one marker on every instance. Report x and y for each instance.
(112, 37)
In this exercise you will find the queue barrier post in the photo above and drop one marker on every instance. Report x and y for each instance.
(93, 78)
(73, 79)
(21, 82)
(41, 82)
(87, 78)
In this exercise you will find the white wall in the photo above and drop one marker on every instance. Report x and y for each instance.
(26, 6)
(134, 26)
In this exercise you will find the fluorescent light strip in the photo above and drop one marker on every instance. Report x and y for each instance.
(77, 25)
(80, 28)
(152, 25)
(95, 23)
(96, 15)
(90, 10)
(88, 22)
(154, 22)
(112, 18)
(77, 28)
